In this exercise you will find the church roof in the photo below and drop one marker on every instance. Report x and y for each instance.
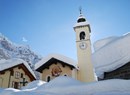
(111, 53)
(81, 18)
(81, 21)
(6, 64)
(58, 57)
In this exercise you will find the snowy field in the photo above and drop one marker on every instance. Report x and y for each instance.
(69, 86)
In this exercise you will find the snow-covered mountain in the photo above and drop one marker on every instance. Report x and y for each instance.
(10, 50)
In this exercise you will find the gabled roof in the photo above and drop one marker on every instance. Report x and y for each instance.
(55, 57)
(6, 64)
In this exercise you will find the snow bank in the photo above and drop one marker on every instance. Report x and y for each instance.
(33, 85)
(8, 91)
(111, 53)
(113, 93)
(69, 86)
(61, 81)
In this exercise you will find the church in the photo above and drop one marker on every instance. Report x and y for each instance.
(109, 61)
(55, 65)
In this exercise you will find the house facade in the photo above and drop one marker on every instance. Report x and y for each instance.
(55, 65)
(15, 73)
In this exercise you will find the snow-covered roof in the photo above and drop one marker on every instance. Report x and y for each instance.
(5, 64)
(111, 53)
(81, 24)
(56, 56)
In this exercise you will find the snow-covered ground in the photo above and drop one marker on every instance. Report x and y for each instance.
(111, 53)
(69, 86)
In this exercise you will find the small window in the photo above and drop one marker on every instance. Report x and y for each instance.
(63, 65)
(48, 78)
(17, 74)
(65, 75)
(21, 75)
(12, 72)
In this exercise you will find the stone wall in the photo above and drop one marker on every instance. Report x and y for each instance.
(120, 73)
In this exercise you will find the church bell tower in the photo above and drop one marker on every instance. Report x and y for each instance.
(83, 42)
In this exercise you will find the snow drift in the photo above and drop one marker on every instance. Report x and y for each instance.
(111, 53)
(69, 86)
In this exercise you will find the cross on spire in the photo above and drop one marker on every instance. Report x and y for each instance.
(80, 10)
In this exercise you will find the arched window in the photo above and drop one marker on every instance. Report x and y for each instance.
(82, 35)
(65, 75)
(48, 78)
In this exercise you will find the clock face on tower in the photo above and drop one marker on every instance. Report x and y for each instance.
(83, 45)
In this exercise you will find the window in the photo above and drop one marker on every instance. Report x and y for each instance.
(12, 72)
(48, 78)
(82, 35)
(17, 74)
(21, 75)
(65, 75)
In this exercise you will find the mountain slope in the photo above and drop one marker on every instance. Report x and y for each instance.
(10, 50)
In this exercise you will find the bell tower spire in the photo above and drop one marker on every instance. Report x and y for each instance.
(80, 10)
(83, 42)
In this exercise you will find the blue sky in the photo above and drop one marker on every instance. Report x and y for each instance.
(47, 25)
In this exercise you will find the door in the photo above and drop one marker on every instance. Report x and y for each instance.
(16, 85)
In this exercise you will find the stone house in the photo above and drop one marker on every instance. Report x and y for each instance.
(15, 73)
